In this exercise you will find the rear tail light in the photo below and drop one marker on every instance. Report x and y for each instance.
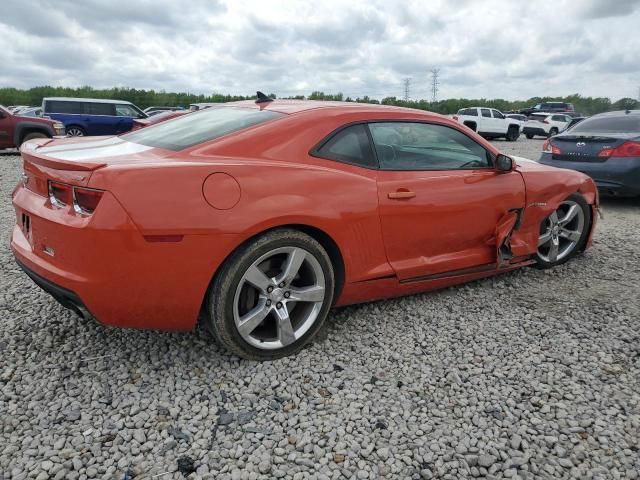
(544, 121)
(84, 200)
(548, 147)
(60, 194)
(627, 149)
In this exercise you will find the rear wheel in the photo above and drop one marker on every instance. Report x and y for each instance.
(564, 232)
(75, 131)
(553, 131)
(529, 136)
(513, 133)
(271, 296)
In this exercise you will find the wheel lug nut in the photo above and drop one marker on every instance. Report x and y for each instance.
(281, 284)
(287, 294)
(279, 305)
(269, 289)
(268, 303)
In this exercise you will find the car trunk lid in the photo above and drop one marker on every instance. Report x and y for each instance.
(585, 148)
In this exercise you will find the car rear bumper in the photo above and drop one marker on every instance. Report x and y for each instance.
(534, 131)
(616, 176)
(104, 265)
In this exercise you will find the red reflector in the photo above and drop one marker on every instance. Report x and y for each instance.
(60, 194)
(86, 199)
(163, 238)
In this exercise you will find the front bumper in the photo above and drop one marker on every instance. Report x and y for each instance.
(102, 264)
(616, 176)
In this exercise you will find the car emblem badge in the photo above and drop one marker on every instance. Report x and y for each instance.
(580, 144)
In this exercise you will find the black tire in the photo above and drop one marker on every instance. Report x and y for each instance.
(553, 131)
(529, 136)
(75, 131)
(579, 247)
(219, 319)
(32, 135)
(513, 133)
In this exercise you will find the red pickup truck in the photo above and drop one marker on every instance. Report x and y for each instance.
(14, 129)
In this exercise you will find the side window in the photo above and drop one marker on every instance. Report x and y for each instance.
(558, 118)
(425, 146)
(497, 114)
(126, 111)
(91, 108)
(350, 145)
(61, 106)
(472, 112)
(486, 112)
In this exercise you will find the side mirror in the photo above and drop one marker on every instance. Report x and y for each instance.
(504, 163)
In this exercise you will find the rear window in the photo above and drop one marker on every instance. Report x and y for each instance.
(618, 124)
(472, 112)
(196, 128)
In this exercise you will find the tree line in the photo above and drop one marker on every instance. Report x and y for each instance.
(148, 98)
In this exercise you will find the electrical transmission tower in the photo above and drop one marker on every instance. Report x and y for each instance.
(407, 88)
(434, 84)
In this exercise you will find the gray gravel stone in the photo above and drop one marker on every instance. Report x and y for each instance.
(471, 381)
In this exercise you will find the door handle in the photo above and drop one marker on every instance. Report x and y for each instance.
(401, 194)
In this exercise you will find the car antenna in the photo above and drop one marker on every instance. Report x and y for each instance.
(262, 98)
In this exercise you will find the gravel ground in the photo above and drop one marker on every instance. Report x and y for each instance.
(533, 374)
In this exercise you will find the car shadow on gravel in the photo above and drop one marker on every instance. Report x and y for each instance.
(619, 203)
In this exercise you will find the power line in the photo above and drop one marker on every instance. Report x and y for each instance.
(434, 84)
(407, 88)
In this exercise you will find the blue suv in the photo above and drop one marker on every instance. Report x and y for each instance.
(91, 116)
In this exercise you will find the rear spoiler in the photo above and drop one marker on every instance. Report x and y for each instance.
(29, 149)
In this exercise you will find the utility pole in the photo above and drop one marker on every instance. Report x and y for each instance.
(407, 88)
(434, 84)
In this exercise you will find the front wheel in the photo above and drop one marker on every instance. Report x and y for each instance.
(529, 136)
(271, 296)
(564, 232)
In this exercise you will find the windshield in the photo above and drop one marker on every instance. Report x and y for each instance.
(196, 128)
(609, 124)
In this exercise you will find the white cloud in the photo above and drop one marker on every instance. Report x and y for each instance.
(490, 49)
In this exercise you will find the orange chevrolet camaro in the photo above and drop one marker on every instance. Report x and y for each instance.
(257, 217)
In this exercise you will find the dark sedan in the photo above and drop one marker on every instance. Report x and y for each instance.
(606, 147)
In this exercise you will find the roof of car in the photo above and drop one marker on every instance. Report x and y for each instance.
(295, 106)
(94, 100)
(618, 113)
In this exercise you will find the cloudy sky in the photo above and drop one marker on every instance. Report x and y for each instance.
(489, 48)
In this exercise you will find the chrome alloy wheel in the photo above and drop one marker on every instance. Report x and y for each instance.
(279, 298)
(561, 231)
(75, 132)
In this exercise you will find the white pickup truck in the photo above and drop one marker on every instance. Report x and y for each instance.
(489, 122)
